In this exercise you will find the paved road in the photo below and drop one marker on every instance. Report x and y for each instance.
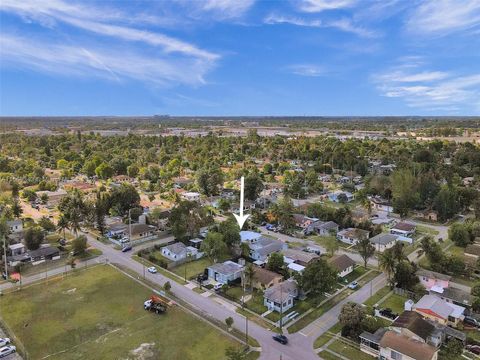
(298, 348)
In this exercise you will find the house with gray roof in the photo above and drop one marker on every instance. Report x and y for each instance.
(281, 297)
(383, 242)
(225, 272)
(263, 247)
(322, 228)
(179, 251)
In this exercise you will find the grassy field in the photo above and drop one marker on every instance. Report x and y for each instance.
(378, 296)
(348, 350)
(394, 302)
(193, 268)
(98, 313)
(323, 339)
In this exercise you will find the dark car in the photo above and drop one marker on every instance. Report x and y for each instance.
(126, 248)
(282, 339)
(474, 349)
(202, 277)
(471, 321)
(388, 313)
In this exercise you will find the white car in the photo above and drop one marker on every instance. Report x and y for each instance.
(4, 342)
(152, 270)
(7, 350)
(217, 287)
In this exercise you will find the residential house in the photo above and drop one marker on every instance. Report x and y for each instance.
(142, 232)
(181, 182)
(117, 229)
(337, 195)
(343, 264)
(190, 196)
(264, 279)
(225, 272)
(414, 326)
(17, 249)
(15, 226)
(249, 236)
(432, 280)
(430, 215)
(440, 311)
(322, 228)
(380, 204)
(263, 247)
(298, 256)
(370, 343)
(352, 235)
(382, 242)
(196, 243)
(81, 186)
(44, 253)
(472, 251)
(178, 251)
(403, 229)
(281, 296)
(303, 221)
(394, 346)
(53, 197)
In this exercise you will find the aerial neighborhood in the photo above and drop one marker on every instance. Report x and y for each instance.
(342, 255)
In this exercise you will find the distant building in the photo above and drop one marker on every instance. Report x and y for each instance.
(190, 196)
(322, 228)
(403, 229)
(382, 242)
(352, 235)
(15, 226)
(343, 264)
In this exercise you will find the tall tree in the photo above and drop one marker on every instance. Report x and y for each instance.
(365, 249)
(214, 246)
(283, 211)
(331, 244)
(253, 186)
(317, 278)
(387, 263)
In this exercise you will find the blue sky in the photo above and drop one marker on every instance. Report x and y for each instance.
(240, 57)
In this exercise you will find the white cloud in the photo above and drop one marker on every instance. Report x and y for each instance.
(216, 10)
(434, 90)
(163, 59)
(112, 63)
(307, 70)
(312, 6)
(441, 17)
(343, 24)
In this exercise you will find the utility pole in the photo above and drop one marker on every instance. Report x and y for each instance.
(5, 254)
(281, 306)
(243, 308)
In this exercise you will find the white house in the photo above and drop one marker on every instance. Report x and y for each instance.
(225, 272)
(190, 196)
(15, 226)
(280, 297)
(261, 249)
(343, 264)
(394, 346)
(352, 235)
(383, 242)
(403, 229)
(249, 236)
(178, 251)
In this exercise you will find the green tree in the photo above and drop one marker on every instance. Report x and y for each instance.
(283, 211)
(214, 246)
(62, 224)
(132, 171)
(167, 286)
(249, 274)
(79, 245)
(317, 278)
(404, 191)
(123, 198)
(46, 224)
(186, 219)
(229, 322)
(104, 171)
(452, 349)
(331, 244)
(253, 186)
(459, 234)
(33, 237)
(405, 276)
(365, 249)
(445, 203)
(209, 180)
(231, 233)
(387, 263)
(352, 317)
(275, 262)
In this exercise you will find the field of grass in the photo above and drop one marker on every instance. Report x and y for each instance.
(426, 230)
(98, 313)
(193, 268)
(161, 270)
(328, 356)
(378, 296)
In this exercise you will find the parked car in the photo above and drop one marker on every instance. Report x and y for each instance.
(282, 339)
(474, 349)
(4, 342)
(202, 277)
(7, 350)
(353, 285)
(471, 321)
(217, 287)
(126, 248)
(4, 276)
(388, 313)
(152, 270)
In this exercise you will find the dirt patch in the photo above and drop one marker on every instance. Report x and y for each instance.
(144, 351)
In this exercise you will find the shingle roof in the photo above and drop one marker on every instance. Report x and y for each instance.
(406, 346)
(404, 226)
(282, 291)
(383, 239)
(176, 248)
(415, 323)
(226, 268)
(354, 233)
(436, 305)
(264, 276)
(341, 262)
(433, 275)
(299, 255)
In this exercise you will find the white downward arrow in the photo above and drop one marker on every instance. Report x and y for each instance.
(241, 218)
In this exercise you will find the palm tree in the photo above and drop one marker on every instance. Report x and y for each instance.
(245, 249)
(62, 224)
(249, 275)
(387, 263)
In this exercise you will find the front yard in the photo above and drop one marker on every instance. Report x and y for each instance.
(98, 313)
(193, 268)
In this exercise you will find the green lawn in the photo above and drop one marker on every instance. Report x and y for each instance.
(426, 230)
(394, 302)
(193, 268)
(98, 313)
(328, 356)
(323, 339)
(378, 296)
(348, 350)
(256, 303)
(161, 270)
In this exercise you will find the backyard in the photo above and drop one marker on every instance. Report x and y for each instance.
(193, 268)
(99, 313)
